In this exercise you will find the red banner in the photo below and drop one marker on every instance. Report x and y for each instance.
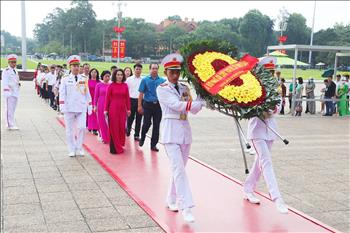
(226, 75)
(282, 39)
(115, 48)
(119, 30)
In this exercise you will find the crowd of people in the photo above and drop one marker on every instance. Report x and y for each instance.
(109, 103)
(112, 92)
(334, 96)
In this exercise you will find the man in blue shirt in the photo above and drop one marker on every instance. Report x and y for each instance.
(148, 105)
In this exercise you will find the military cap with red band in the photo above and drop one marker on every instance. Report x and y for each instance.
(172, 61)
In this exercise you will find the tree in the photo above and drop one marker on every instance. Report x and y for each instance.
(140, 37)
(174, 18)
(256, 32)
(12, 43)
(167, 38)
(297, 31)
(82, 19)
(337, 36)
(233, 24)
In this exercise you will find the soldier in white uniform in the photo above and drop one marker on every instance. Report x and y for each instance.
(262, 139)
(175, 101)
(10, 87)
(75, 100)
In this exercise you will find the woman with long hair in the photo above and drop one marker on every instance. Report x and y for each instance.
(94, 78)
(128, 72)
(117, 108)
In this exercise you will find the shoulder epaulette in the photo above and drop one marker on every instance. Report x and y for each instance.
(163, 85)
(65, 76)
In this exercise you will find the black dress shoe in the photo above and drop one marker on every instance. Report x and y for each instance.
(127, 133)
(141, 142)
(154, 149)
(95, 132)
(136, 138)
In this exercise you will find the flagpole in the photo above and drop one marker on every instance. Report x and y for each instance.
(312, 33)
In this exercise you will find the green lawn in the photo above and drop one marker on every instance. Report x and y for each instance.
(100, 66)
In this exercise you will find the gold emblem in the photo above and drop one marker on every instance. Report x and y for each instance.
(183, 116)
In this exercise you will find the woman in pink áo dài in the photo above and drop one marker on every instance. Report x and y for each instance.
(99, 103)
(92, 119)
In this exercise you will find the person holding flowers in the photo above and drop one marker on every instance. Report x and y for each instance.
(176, 102)
(261, 133)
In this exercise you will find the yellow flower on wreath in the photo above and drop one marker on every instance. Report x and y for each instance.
(248, 92)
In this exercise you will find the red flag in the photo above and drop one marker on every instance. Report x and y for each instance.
(115, 48)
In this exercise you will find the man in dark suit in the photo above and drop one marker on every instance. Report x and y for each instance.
(329, 95)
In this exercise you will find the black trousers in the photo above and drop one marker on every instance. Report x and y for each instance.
(329, 106)
(151, 112)
(282, 109)
(134, 114)
(45, 92)
(51, 95)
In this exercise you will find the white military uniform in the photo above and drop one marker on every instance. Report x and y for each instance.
(10, 87)
(177, 138)
(75, 100)
(262, 139)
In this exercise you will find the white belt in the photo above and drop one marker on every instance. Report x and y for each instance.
(182, 117)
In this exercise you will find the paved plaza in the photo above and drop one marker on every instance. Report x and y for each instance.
(43, 190)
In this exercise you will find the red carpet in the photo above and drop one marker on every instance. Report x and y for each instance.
(218, 198)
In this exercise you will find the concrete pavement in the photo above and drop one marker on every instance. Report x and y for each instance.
(43, 190)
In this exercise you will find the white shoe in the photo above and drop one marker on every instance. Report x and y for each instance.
(13, 128)
(251, 198)
(99, 138)
(252, 151)
(281, 206)
(71, 154)
(173, 207)
(187, 215)
(80, 152)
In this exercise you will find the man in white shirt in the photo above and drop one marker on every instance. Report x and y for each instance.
(133, 83)
(51, 81)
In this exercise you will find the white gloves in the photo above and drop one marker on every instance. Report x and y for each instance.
(201, 100)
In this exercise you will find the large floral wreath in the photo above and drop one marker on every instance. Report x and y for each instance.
(239, 88)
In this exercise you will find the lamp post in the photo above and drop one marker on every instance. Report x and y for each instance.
(119, 22)
(119, 32)
(282, 18)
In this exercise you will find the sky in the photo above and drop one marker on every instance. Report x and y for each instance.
(327, 12)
